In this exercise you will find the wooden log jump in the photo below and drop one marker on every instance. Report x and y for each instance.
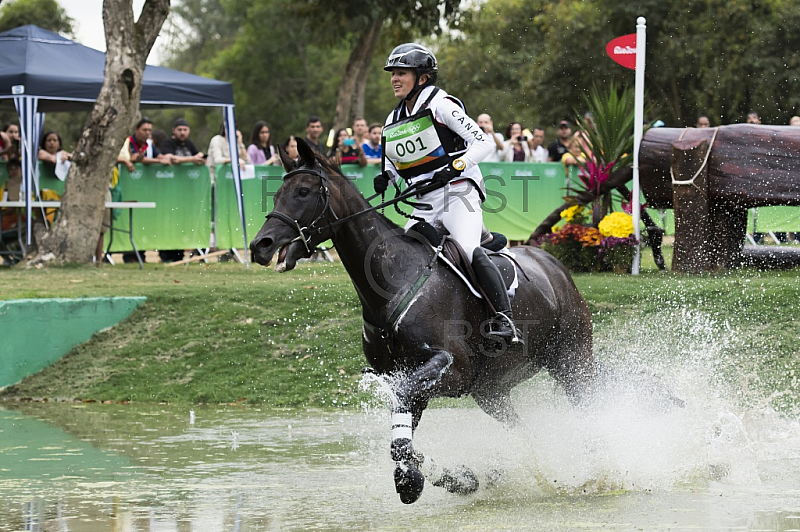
(711, 177)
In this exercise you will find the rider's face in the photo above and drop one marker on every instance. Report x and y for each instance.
(402, 81)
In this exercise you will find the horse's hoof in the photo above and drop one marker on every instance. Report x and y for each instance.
(461, 481)
(409, 482)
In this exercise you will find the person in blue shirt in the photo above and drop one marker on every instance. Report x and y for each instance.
(372, 147)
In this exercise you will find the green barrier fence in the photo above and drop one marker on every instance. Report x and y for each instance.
(182, 217)
(519, 196)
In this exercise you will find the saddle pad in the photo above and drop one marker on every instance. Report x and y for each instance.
(453, 256)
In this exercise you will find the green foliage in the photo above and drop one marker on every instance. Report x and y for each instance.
(533, 61)
(46, 14)
(611, 133)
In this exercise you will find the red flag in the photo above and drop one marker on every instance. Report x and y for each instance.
(623, 50)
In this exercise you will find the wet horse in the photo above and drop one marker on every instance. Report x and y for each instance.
(422, 327)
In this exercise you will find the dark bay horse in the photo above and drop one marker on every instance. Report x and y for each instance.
(422, 327)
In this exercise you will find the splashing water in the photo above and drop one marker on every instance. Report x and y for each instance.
(632, 437)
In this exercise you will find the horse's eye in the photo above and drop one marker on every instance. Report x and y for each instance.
(303, 192)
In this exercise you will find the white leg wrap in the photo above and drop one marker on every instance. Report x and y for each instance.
(401, 425)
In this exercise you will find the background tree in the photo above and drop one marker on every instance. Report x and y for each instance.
(719, 57)
(47, 14)
(73, 236)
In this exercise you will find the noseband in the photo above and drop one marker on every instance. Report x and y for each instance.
(304, 234)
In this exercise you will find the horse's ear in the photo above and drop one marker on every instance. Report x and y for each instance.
(306, 153)
(289, 164)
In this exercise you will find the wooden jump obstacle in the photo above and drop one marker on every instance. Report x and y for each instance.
(710, 177)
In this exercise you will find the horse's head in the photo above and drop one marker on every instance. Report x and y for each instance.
(302, 211)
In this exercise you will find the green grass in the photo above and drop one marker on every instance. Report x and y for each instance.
(221, 333)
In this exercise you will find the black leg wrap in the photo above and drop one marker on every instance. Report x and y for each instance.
(408, 482)
(461, 481)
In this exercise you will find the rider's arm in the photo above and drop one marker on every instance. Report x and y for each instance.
(479, 145)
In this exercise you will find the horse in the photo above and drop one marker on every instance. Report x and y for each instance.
(423, 330)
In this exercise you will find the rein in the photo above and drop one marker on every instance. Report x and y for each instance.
(305, 234)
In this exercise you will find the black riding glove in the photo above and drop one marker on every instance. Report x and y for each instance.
(447, 174)
(381, 182)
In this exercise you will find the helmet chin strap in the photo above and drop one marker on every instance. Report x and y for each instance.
(417, 87)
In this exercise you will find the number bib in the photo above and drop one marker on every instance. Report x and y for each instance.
(413, 145)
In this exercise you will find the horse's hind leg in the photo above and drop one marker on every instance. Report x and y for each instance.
(412, 467)
(498, 405)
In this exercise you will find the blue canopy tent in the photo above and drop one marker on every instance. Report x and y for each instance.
(44, 72)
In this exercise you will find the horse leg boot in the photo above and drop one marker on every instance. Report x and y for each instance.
(412, 467)
(502, 328)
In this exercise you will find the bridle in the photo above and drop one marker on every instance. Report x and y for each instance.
(305, 234)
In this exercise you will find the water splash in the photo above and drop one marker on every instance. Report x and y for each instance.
(632, 437)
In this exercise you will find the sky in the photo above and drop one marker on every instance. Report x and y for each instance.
(87, 16)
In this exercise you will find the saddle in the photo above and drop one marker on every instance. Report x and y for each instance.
(454, 257)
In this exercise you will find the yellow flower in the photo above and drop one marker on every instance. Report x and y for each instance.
(618, 224)
(571, 212)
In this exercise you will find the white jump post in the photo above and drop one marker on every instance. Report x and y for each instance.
(638, 102)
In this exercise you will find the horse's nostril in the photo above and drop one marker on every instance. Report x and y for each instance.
(262, 243)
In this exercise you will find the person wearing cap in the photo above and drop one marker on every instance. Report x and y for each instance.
(557, 149)
(179, 148)
(430, 141)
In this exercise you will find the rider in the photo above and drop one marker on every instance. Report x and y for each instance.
(429, 138)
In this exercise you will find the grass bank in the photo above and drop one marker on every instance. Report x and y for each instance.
(220, 333)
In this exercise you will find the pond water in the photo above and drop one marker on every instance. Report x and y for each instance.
(621, 464)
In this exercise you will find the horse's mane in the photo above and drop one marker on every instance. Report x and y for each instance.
(329, 168)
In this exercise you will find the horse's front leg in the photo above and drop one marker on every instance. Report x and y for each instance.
(412, 467)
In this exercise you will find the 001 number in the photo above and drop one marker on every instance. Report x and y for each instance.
(409, 146)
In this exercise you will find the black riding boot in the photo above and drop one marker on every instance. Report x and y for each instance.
(502, 327)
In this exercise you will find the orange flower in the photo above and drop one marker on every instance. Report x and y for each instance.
(591, 237)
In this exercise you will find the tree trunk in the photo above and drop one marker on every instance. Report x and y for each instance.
(749, 166)
(355, 72)
(361, 82)
(74, 235)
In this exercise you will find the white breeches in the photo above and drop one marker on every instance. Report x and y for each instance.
(456, 210)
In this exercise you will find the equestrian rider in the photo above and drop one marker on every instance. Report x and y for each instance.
(430, 138)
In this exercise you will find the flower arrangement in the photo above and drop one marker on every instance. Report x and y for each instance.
(608, 247)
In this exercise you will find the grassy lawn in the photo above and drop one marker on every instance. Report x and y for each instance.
(220, 333)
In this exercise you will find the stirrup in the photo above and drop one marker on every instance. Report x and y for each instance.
(506, 330)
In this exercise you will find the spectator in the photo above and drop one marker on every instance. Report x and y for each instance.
(9, 142)
(13, 184)
(346, 151)
(50, 149)
(794, 121)
(179, 148)
(487, 125)
(11, 191)
(753, 118)
(313, 133)
(159, 136)
(516, 146)
(558, 148)
(538, 152)
(373, 150)
(220, 153)
(572, 157)
(703, 121)
(138, 148)
(261, 150)
(290, 147)
(360, 131)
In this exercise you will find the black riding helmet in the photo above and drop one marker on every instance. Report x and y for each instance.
(416, 57)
